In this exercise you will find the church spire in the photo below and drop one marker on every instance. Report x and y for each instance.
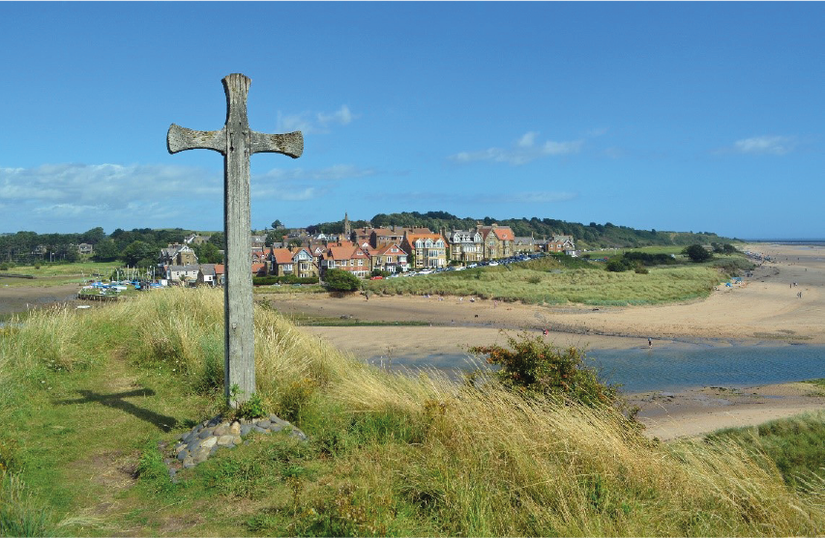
(347, 228)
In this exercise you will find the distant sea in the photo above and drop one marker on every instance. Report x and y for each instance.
(812, 242)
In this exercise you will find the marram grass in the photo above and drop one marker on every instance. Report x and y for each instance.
(590, 286)
(390, 454)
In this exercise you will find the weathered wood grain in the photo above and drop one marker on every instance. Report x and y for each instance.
(237, 143)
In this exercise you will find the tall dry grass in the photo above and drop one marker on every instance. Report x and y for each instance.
(496, 464)
(457, 459)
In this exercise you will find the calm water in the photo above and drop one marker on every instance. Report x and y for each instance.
(675, 368)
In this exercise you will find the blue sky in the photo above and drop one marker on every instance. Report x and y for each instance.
(675, 116)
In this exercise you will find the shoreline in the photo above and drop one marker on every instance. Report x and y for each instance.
(695, 412)
(763, 311)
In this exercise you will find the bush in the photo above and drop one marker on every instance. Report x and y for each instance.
(532, 365)
(697, 253)
(340, 280)
(648, 259)
(617, 266)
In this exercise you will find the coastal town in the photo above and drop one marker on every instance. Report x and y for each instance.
(364, 252)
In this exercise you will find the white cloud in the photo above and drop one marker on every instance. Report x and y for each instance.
(528, 140)
(79, 196)
(306, 194)
(772, 145)
(315, 122)
(523, 151)
(336, 172)
(109, 186)
(67, 210)
(342, 116)
(562, 148)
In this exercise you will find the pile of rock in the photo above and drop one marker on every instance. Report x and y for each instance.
(211, 435)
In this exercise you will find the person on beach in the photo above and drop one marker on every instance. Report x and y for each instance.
(649, 342)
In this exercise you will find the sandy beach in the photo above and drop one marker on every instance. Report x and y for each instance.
(763, 308)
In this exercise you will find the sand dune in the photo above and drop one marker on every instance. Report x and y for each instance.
(765, 307)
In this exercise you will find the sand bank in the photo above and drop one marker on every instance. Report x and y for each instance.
(764, 308)
(22, 298)
(696, 412)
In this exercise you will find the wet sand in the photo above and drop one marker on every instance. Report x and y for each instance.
(763, 309)
(19, 298)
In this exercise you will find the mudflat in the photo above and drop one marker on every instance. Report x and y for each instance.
(19, 298)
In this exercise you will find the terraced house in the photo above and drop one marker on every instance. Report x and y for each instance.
(394, 234)
(390, 258)
(426, 250)
(298, 262)
(466, 246)
(498, 241)
(348, 257)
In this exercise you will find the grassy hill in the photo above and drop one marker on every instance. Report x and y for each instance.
(91, 400)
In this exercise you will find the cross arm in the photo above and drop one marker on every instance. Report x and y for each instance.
(291, 144)
(180, 139)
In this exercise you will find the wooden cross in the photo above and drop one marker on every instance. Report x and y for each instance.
(236, 141)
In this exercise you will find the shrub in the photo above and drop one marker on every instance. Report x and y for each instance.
(617, 266)
(697, 253)
(340, 280)
(532, 365)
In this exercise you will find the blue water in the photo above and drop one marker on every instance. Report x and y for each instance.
(641, 370)
(670, 368)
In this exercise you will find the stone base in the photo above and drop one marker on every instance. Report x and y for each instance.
(211, 435)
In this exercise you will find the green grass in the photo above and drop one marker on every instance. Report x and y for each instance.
(86, 398)
(795, 445)
(819, 383)
(59, 274)
(590, 286)
(289, 289)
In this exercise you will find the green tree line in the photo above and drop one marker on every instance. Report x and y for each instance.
(592, 235)
(138, 247)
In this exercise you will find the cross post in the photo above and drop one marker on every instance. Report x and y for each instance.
(237, 142)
